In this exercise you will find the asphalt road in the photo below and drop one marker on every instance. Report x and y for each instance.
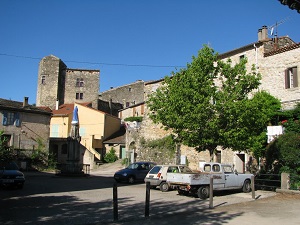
(48, 199)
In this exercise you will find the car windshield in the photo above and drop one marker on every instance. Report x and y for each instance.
(8, 166)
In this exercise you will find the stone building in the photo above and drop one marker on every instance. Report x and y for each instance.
(25, 127)
(277, 59)
(59, 85)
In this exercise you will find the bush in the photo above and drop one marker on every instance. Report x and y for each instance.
(134, 118)
(111, 156)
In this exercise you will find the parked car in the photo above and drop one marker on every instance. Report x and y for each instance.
(10, 176)
(134, 172)
(157, 176)
(224, 178)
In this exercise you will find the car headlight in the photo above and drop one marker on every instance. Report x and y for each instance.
(19, 177)
(124, 174)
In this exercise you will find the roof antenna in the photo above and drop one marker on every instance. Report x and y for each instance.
(271, 28)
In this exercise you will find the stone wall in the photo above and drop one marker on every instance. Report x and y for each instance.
(50, 81)
(89, 88)
(131, 94)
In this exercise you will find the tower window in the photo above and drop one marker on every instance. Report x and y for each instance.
(79, 82)
(43, 81)
(79, 95)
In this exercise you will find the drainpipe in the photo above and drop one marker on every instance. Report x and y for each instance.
(256, 67)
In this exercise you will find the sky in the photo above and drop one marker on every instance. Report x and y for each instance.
(127, 40)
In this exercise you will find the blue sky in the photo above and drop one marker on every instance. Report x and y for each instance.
(127, 40)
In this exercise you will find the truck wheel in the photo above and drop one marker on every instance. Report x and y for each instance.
(203, 192)
(247, 186)
(164, 187)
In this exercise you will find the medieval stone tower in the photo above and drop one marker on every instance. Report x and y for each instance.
(59, 85)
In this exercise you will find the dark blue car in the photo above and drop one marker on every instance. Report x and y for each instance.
(134, 172)
(10, 175)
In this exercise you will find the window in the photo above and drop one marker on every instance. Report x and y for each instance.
(43, 81)
(127, 104)
(11, 118)
(79, 95)
(242, 57)
(79, 82)
(216, 168)
(129, 89)
(291, 78)
(6, 139)
(207, 168)
(227, 169)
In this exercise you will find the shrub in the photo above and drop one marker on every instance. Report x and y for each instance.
(111, 156)
(134, 118)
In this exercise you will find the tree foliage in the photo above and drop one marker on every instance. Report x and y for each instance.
(6, 153)
(111, 156)
(207, 104)
(283, 153)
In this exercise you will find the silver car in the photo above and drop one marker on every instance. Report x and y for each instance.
(157, 176)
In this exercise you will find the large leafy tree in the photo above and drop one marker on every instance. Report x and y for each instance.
(206, 105)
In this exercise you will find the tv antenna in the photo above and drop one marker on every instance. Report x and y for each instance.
(275, 27)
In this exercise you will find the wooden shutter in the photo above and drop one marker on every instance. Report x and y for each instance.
(295, 76)
(287, 78)
(4, 119)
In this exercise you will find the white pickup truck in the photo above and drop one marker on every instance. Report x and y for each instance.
(224, 178)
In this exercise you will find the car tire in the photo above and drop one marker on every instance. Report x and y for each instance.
(131, 180)
(203, 192)
(247, 186)
(164, 187)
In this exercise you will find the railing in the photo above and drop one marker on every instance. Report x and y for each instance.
(267, 181)
(294, 180)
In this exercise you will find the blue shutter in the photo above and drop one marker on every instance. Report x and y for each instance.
(17, 119)
(4, 118)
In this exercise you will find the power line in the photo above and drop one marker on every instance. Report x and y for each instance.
(96, 63)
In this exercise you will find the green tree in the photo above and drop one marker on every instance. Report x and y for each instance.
(207, 104)
(5, 152)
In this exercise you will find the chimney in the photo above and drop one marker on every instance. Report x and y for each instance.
(259, 34)
(25, 102)
(56, 104)
(264, 33)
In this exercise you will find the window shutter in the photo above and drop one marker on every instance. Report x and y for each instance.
(4, 119)
(17, 119)
(295, 76)
(287, 79)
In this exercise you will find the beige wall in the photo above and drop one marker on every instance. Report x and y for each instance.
(60, 126)
(132, 111)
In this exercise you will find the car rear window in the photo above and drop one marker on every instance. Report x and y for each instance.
(155, 170)
(8, 166)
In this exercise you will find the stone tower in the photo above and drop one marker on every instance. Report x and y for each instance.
(59, 85)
